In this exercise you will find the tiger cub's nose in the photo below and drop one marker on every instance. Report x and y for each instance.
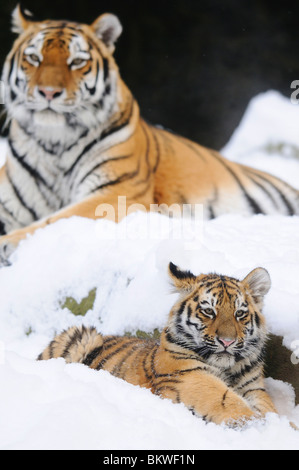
(226, 342)
(49, 93)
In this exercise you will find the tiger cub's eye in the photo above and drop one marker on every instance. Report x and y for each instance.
(239, 314)
(209, 312)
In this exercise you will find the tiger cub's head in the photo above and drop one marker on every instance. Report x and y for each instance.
(60, 71)
(219, 317)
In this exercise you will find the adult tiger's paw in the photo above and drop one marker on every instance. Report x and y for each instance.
(8, 244)
(6, 250)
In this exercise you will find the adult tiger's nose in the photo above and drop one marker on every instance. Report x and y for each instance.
(49, 92)
(226, 342)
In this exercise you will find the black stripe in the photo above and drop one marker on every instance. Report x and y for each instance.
(256, 377)
(96, 167)
(186, 371)
(87, 71)
(20, 197)
(84, 151)
(216, 285)
(251, 202)
(115, 127)
(12, 62)
(124, 177)
(181, 308)
(283, 198)
(257, 319)
(234, 378)
(224, 397)
(211, 212)
(113, 353)
(147, 373)
(54, 147)
(265, 190)
(105, 68)
(52, 346)
(36, 176)
(117, 369)
(12, 95)
(92, 90)
(104, 134)
(171, 339)
(94, 45)
(179, 355)
(109, 341)
(92, 355)
(76, 337)
(143, 191)
(166, 381)
(253, 390)
(2, 228)
(159, 390)
(32, 171)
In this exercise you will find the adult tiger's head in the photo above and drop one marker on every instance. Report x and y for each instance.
(62, 72)
(219, 317)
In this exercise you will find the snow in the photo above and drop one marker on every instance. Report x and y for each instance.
(52, 405)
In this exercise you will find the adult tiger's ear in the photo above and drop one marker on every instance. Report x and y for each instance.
(21, 19)
(183, 281)
(108, 28)
(258, 281)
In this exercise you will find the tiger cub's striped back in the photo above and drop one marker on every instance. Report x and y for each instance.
(209, 357)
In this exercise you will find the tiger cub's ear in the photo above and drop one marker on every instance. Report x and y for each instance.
(108, 28)
(20, 19)
(258, 281)
(181, 280)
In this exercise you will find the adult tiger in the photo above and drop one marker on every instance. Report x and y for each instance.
(76, 139)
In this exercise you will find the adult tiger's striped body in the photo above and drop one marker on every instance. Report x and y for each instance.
(210, 356)
(76, 139)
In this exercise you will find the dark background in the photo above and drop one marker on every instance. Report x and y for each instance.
(193, 65)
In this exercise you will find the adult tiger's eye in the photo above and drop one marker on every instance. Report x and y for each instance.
(33, 59)
(78, 62)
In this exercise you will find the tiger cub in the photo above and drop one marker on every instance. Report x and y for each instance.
(210, 354)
